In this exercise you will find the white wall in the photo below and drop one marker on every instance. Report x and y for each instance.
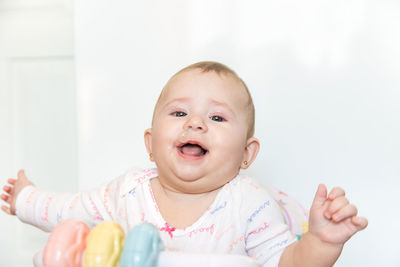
(324, 76)
(37, 110)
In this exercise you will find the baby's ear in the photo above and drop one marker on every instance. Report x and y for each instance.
(147, 140)
(250, 152)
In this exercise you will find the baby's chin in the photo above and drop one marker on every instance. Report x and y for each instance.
(192, 184)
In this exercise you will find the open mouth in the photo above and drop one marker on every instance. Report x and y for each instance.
(192, 150)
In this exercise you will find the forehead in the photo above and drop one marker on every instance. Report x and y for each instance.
(194, 83)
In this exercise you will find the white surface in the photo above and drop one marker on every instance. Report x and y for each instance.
(324, 76)
(179, 259)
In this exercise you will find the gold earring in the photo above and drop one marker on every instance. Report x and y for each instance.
(151, 156)
(245, 163)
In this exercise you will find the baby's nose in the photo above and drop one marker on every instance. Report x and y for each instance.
(196, 123)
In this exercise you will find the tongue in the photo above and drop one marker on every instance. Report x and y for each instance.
(193, 150)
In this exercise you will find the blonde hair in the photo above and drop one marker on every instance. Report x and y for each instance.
(220, 69)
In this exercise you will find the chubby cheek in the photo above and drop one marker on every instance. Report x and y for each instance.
(163, 140)
(231, 147)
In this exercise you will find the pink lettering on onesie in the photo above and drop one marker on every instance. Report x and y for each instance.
(235, 243)
(248, 180)
(255, 186)
(147, 174)
(29, 199)
(106, 200)
(73, 201)
(261, 229)
(218, 236)
(46, 210)
(97, 216)
(209, 229)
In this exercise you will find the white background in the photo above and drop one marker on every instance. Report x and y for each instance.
(38, 130)
(324, 76)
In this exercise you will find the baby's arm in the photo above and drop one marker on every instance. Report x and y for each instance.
(332, 222)
(12, 190)
(46, 209)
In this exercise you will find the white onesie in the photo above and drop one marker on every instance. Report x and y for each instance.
(243, 219)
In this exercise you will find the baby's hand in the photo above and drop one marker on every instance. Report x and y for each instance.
(332, 218)
(12, 191)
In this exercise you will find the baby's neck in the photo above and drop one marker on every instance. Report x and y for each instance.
(178, 209)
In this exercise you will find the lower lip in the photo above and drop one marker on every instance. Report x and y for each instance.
(190, 157)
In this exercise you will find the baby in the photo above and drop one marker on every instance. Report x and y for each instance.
(201, 136)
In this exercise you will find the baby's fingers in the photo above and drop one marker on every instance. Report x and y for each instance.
(347, 211)
(335, 206)
(359, 222)
(12, 181)
(6, 209)
(335, 193)
(8, 189)
(6, 198)
(21, 174)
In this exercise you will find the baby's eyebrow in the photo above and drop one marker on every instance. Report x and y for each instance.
(177, 100)
(222, 104)
(187, 99)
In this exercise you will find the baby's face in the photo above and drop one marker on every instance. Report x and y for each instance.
(199, 134)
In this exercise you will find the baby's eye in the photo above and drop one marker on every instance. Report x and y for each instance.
(217, 118)
(178, 114)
